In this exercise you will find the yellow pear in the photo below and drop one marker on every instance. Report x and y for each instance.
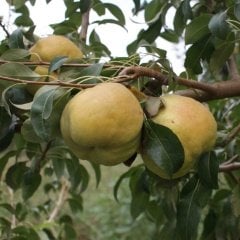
(46, 49)
(192, 123)
(103, 124)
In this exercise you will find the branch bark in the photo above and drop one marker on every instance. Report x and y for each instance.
(200, 90)
(84, 25)
(233, 68)
(60, 201)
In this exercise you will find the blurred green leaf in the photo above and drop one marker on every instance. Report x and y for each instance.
(197, 29)
(187, 10)
(7, 128)
(209, 225)
(8, 207)
(28, 132)
(116, 12)
(208, 167)
(162, 146)
(188, 217)
(15, 54)
(140, 195)
(16, 39)
(152, 11)
(218, 25)
(221, 54)
(127, 174)
(197, 53)
(58, 166)
(4, 160)
(30, 183)
(25, 232)
(179, 21)
(235, 200)
(76, 204)
(18, 71)
(57, 63)
(195, 190)
(14, 175)
(97, 171)
(237, 10)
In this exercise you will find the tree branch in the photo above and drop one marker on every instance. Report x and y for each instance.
(4, 28)
(233, 68)
(201, 91)
(84, 25)
(60, 201)
(235, 131)
(229, 167)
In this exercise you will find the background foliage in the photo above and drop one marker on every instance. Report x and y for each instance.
(45, 189)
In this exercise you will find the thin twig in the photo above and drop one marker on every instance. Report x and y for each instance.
(38, 161)
(61, 200)
(11, 200)
(229, 167)
(80, 65)
(53, 83)
(233, 68)
(235, 131)
(4, 29)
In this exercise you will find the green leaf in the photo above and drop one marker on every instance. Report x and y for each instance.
(77, 174)
(170, 36)
(237, 10)
(108, 21)
(155, 211)
(7, 128)
(152, 11)
(57, 63)
(58, 166)
(218, 25)
(188, 217)
(15, 54)
(196, 191)
(30, 183)
(18, 71)
(179, 21)
(97, 171)
(221, 54)
(197, 29)
(162, 146)
(84, 5)
(46, 112)
(14, 175)
(16, 39)
(187, 10)
(152, 32)
(4, 160)
(209, 225)
(28, 132)
(25, 232)
(235, 200)
(116, 12)
(140, 195)
(40, 111)
(76, 204)
(8, 207)
(93, 70)
(208, 167)
(198, 52)
(120, 179)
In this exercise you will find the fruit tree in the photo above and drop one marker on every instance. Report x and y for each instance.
(66, 101)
